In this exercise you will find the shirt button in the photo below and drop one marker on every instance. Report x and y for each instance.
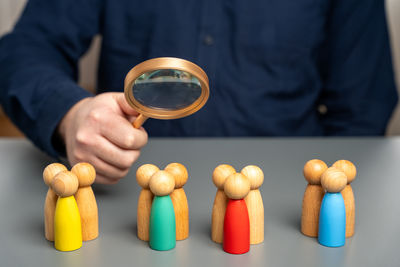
(208, 40)
(322, 109)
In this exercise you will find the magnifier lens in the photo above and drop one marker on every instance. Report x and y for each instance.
(166, 89)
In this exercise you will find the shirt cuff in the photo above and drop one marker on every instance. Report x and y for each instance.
(55, 105)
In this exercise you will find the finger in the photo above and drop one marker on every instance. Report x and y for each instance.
(120, 132)
(100, 179)
(105, 169)
(115, 156)
(124, 106)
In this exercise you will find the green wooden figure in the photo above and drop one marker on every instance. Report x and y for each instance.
(162, 217)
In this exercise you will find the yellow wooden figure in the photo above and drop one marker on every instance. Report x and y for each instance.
(67, 220)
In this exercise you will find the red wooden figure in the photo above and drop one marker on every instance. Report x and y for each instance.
(236, 222)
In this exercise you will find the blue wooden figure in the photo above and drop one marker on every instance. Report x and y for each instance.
(332, 216)
(162, 230)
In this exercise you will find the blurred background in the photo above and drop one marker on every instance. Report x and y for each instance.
(10, 10)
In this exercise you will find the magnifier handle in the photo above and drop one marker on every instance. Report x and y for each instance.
(139, 121)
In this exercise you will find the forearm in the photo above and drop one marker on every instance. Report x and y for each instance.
(38, 65)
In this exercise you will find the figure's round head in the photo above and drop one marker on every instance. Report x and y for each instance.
(51, 171)
(348, 168)
(313, 170)
(162, 183)
(237, 186)
(144, 173)
(179, 172)
(65, 184)
(255, 176)
(220, 173)
(85, 172)
(333, 180)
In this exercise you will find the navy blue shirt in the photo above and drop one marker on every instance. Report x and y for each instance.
(271, 63)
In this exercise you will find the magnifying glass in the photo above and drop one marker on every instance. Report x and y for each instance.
(166, 88)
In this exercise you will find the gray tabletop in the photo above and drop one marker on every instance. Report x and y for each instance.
(376, 241)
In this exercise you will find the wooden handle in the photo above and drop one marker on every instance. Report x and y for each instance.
(139, 121)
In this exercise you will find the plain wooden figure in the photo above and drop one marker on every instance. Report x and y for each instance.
(179, 199)
(332, 220)
(236, 221)
(254, 203)
(219, 176)
(67, 221)
(143, 175)
(313, 195)
(51, 198)
(86, 200)
(350, 170)
(162, 232)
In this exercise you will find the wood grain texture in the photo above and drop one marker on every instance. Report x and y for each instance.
(89, 213)
(49, 210)
(144, 173)
(333, 180)
(85, 172)
(143, 214)
(312, 199)
(348, 168)
(349, 203)
(255, 208)
(65, 184)
(143, 176)
(181, 209)
(313, 169)
(220, 173)
(237, 186)
(162, 183)
(254, 203)
(218, 216)
(51, 198)
(86, 200)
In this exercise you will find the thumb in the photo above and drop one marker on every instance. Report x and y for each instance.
(123, 104)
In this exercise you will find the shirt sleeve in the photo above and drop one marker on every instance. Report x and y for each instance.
(356, 69)
(38, 65)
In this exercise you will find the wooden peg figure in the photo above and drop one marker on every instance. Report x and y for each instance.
(143, 175)
(236, 221)
(313, 195)
(350, 170)
(254, 203)
(67, 221)
(51, 198)
(179, 199)
(162, 217)
(219, 176)
(332, 216)
(86, 200)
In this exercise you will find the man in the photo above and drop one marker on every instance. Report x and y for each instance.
(272, 66)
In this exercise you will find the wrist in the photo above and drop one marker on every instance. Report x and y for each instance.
(69, 117)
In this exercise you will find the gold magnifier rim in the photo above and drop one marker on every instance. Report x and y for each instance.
(160, 64)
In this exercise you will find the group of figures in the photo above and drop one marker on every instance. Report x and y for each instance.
(70, 209)
(162, 211)
(238, 210)
(71, 214)
(328, 210)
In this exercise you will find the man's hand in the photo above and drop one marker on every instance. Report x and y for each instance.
(98, 130)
